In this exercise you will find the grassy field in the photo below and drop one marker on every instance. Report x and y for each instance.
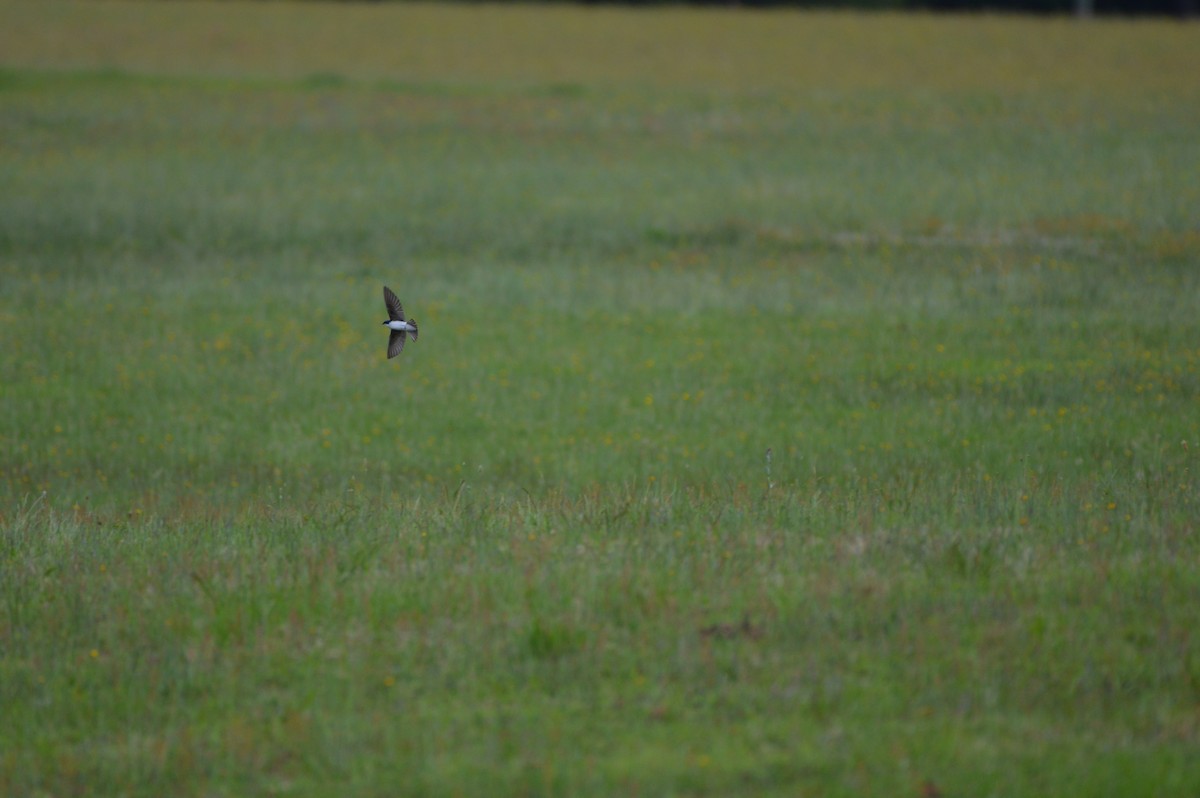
(806, 404)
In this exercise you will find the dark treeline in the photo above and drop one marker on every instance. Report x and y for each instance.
(1175, 8)
(1180, 8)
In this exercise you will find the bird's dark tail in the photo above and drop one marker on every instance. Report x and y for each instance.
(413, 322)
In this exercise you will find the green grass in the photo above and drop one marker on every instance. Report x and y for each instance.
(784, 435)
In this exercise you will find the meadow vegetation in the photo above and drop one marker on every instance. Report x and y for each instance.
(805, 403)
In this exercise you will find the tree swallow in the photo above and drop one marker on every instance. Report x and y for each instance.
(397, 324)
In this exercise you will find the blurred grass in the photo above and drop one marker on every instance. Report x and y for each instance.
(578, 47)
(658, 298)
(793, 412)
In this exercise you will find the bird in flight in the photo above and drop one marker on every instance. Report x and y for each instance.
(397, 324)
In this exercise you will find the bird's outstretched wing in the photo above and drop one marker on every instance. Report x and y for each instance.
(394, 308)
(396, 343)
